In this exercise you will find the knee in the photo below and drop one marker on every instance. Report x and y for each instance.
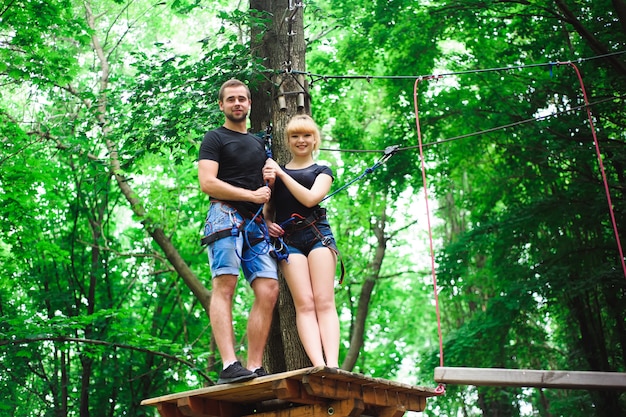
(325, 304)
(223, 288)
(307, 306)
(266, 290)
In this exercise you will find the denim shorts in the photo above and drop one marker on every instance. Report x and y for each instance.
(247, 250)
(304, 240)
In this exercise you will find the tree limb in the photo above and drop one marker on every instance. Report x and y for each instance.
(105, 343)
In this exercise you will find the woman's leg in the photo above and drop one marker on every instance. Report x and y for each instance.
(322, 266)
(296, 273)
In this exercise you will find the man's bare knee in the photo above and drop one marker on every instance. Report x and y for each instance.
(265, 289)
(224, 285)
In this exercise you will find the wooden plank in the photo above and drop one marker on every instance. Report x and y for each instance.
(411, 402)
(197, 407)
(326, 388)
(296, 393)
(347, 408)
(381, 394)
(374, 396)
(530, 378)
(292, 390)
(227, 390)
(168, 410)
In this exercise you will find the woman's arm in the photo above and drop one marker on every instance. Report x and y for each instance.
(307, 197)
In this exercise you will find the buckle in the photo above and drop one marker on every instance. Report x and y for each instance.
(280, 253)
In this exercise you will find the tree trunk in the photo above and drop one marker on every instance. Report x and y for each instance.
(282, 49)
(357, 334)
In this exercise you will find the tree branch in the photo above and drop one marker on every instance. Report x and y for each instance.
(105, 343)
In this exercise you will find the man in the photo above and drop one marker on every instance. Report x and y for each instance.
(230, 171)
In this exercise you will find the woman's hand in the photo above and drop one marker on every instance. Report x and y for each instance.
(271, 171)
(274, 229)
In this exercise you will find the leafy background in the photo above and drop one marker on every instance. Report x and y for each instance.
(103, 104)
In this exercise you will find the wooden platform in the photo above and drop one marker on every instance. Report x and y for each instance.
(307, 392)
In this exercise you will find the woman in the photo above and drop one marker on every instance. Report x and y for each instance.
(294, 214)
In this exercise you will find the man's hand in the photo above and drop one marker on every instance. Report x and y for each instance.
(261, 195)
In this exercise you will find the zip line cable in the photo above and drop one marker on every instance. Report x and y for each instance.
(317, 77)
(481, 132)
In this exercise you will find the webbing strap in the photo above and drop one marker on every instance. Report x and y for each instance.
(226, 233)
(206, 240)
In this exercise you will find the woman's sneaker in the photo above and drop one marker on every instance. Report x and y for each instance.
(260, 371)
(235, 372)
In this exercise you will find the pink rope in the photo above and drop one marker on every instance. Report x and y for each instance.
(440, 390)
(599, 156)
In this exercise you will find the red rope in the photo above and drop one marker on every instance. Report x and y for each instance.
(440, 390)
(599, 156)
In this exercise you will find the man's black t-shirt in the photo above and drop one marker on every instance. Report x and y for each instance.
(285, 203)
(240, 156)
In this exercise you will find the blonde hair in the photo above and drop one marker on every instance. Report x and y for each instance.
(303, 123)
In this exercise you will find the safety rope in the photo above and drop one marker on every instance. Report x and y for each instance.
(600, 163)
(441, 389)
(388, 153)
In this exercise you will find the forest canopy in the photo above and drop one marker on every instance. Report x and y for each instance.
(506, 120)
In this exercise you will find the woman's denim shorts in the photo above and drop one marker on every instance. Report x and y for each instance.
(304, 240)
(246, 250)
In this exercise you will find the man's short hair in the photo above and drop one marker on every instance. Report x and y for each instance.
(232, 83)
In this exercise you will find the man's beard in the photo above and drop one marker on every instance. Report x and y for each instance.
(234, 119)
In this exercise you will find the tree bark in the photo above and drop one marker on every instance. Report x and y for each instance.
(357, 334)
(281, 48)
(596, 45)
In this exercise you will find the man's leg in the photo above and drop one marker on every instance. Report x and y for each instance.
(221, 315)
(260, 321)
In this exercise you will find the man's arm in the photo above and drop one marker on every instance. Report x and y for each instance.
(216, 188)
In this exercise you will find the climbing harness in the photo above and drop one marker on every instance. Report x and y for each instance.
(250, 238)
(236, 228)
(298, 222)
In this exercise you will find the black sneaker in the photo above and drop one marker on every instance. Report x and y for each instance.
(260, 371)
(235, 373)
